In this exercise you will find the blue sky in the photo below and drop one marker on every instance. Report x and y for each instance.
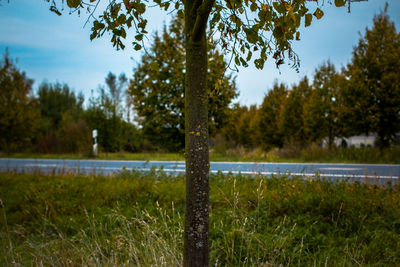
(53, 48)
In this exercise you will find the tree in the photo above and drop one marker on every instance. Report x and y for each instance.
(241, 128)
(102, 115)
(245, 28)
(19, 114)
(116, 88)
(269, 116)
(292, 117)
(62, 129)
(157, 88)
(55, 100)
(372, 97)
(321, 111)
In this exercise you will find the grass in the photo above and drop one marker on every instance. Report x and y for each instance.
(101, 156)
(136, 219)
(288, 154)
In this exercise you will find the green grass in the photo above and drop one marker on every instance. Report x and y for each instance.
(289, 154)
(136, 219)
(101, 156)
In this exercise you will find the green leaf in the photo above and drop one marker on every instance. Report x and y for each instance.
(141, 8)
(73, 3)
(279, 7)
(129, 22)
(98, 25)
(253, 7)
(278, 32)
(122, 19)
(243, 62)
(237, 61)
(340, 3)
(251, 35)
(249, 55)
(297, 36)
(93, 35)
(166, 6)
(308, 19)
(137, 46)
(259, 63)
(122, 33)
(318, 13)
(139, 37)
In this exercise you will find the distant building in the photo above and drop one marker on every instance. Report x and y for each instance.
(355, 141)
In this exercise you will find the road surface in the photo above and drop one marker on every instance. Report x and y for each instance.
(380, 173)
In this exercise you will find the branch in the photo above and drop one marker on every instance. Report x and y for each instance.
(201, 19)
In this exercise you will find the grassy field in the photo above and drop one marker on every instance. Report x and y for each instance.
(136, 219)
(311, 154)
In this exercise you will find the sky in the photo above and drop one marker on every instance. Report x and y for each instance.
(58, 49)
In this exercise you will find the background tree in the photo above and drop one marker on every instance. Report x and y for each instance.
(269, 117)
(321, 111)
(241, 128)
(157, 89)
(55, 100)
(372, 97)
(116, 90)
(19, 115)
(101, 115)
(292, 117)
(106, 114)
(62, 129)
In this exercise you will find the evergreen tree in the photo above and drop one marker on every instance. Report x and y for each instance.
(157, 89)
(372, 97)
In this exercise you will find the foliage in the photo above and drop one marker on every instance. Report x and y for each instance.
(321, 111)
(292, 116)
(105, 113)
(55, 100)
(269, 116)
(136, 218)
(241, 129)
(157, 89)
(372, 97)
(19, 114)
(62, 128)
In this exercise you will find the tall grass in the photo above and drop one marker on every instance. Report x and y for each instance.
(136, 219)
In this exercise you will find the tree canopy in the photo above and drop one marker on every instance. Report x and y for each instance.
(372, 100)
(18, 110)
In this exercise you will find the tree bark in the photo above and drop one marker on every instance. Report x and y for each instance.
(196, 243)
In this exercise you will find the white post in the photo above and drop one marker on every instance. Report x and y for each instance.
(94, 134)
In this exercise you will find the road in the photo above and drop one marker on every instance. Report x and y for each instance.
(380, 173)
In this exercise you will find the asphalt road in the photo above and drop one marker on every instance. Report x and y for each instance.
(379, 173)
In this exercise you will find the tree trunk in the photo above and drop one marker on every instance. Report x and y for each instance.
(196, 243)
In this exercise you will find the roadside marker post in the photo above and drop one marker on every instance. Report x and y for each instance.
(94, 135)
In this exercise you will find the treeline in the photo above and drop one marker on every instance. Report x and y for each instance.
(146, 113)
(361, 98)
(55, 120)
